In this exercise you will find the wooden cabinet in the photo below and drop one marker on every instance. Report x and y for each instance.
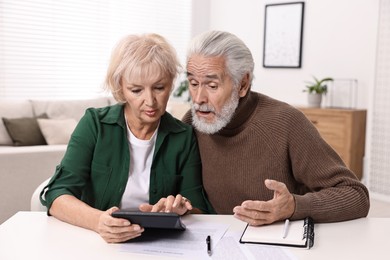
(344, 130)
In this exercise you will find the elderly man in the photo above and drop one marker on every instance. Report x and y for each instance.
(262, 159)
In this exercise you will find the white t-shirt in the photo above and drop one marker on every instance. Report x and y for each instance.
(141, 157)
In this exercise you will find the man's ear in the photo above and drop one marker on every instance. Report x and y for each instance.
(244, 86)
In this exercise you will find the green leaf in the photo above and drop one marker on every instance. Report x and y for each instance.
(317, 86)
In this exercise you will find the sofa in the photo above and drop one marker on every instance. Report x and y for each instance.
(33, 139)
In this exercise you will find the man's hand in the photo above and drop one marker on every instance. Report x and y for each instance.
(178, 204)
(257, 212)
(116, 230)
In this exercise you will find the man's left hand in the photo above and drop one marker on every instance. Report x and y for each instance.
(256, 212)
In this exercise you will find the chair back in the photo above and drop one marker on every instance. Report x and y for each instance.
(35, 204)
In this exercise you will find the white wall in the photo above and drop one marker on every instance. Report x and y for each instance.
(200, 16)
(339, 41)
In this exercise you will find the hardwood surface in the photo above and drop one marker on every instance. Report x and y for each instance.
(344, 130)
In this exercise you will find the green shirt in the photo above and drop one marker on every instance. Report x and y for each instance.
(95, 167)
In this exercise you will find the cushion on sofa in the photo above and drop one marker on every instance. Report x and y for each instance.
(10, 108)
(57, 131)
(65, 109)
(24, 131)
(112, 101)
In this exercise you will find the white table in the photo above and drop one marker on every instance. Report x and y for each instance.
(33, 235)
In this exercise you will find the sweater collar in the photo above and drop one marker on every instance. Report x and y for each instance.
(244, 110)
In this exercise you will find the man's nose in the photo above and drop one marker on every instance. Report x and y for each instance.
(199, 95)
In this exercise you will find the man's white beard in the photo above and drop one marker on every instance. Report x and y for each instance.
(221, 119)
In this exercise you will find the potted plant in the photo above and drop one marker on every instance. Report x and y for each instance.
(181, 103)
(181, 89)
(315, 90)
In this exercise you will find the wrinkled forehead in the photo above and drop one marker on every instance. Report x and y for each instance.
(203, 67)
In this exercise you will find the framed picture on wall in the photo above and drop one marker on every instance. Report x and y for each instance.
(283, 33)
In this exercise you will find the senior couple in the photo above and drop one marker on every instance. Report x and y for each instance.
(235, 152)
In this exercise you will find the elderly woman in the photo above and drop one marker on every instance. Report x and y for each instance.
(130, 155)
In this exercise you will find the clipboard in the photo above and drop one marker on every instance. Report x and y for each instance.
(153, 220)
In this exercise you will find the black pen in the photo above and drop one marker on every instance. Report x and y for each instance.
(208, 242)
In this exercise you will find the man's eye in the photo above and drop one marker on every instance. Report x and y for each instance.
(193, 83)
(212, 86)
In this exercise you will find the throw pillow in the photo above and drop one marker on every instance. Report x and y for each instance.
(57, 131)
(24, 131)
(12, 108)
(64, 109)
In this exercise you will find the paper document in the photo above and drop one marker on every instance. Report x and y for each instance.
(187, 244)
(230, 248)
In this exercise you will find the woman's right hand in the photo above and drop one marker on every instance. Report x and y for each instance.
(116, 230)
(177, 204)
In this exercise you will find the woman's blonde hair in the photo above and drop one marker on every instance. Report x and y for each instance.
(140, 55)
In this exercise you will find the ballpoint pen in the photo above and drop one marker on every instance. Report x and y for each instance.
(285, 229)
(208, 242)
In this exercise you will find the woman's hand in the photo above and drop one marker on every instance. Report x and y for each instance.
(116, 230)
(179, 205)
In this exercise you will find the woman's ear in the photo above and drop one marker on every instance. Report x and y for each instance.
(244, 86)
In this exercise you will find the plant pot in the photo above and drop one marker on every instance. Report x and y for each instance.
(314, 99)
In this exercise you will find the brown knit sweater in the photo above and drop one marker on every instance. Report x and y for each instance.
(269, 139)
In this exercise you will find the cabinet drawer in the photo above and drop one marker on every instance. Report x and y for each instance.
(332, 129)
(344, 131)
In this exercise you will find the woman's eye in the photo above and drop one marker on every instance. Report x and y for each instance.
(135, 91)
(160, 88)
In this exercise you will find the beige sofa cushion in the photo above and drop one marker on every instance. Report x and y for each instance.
(57, 131)
(12, 109)
(65, 109)
(112, 101)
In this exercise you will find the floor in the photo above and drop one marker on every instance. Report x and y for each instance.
(379, 209)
